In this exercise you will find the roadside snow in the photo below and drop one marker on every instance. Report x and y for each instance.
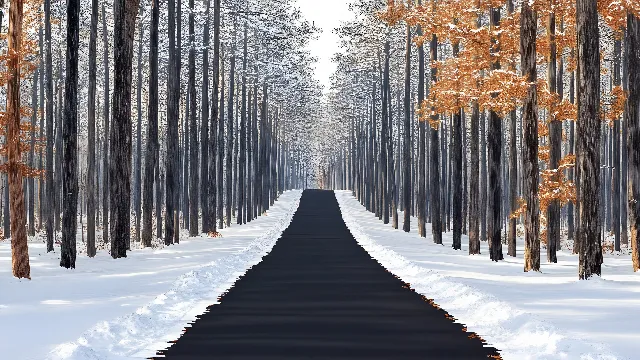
(548, 315)
(131, 307)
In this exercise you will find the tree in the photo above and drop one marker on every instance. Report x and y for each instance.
(50, 192)
(193, 141)
(406, 153)
(105, 153)
(19, 248)
(70, 140)
(120, 151)
(151, 151)
(588, 129)
(528, 29)
(91, 123)
(633, 122)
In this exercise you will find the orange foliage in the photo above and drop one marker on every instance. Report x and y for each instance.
(28, 61)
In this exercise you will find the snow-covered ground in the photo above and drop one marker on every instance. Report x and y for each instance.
(548, 315)
(109, 309)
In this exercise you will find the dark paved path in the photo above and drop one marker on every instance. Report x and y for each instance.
(319, 295)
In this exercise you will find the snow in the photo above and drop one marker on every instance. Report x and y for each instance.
(109, 309)
(547, 315)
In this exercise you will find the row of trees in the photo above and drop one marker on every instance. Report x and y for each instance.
(522, 119)
(217, 136)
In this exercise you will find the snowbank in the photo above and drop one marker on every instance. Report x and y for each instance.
(548, 315)
(118, 301)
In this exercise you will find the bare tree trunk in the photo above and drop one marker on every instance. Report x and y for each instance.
(120, 160)
(615, 178)
(456, 171)
(406, 153)
(105, 152)
(633, 123)
(193, 141)
(434, 172)
(588, 163)
(242, 137)
(32, 164)
(208, 186)
(151, 151)
(19, 248)
(528, 29)
(173, 103)
(50, 191)
(495, 146)
(229, 155)
(70, 140)
(220, 142)
(91, 119)
(555, 140)
(137, 184)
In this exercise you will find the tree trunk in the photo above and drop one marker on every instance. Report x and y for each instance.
(495, 147)
(151, 151)
(120, 160)
(105, 152)
(242, 137)
(50, 191)
(91, 141)
(615, 146)
(555, 140)
(137, 190)
(456, 171)
(528, 29)
(207, 176)
(633, 123)
(193, 141)
(434, 172)
(32, 162)
(19, 248)
(406, 153)
(230, 138)
(588, 35)
(173, 103)
(221, 122)
(70, 140)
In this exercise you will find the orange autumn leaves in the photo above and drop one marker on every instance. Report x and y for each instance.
(470, 78)
(28, 60)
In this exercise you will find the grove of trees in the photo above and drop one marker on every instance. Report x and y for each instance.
(519, 118)
(200, 111)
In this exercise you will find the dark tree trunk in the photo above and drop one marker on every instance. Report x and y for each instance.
(207, 190)
(528, 29)
(588, 35)
(555, 139)
(615, 146)
(50, 191)
(193, 124)
(105, 151)
(495, 147)
(120, 160)
(385, 138)
(70, 140)
(242, 137)
(32, 163)
(137, 187)
(474, 188)
(434, 171)
(173, 103)
(633, 123)
(91, 120)
(212, 183)
(151, 151)
(220, 143)
(406, 153)
(456, 172)
(229, 154)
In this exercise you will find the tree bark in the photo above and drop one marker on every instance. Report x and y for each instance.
(555, 140)
(19, 248)
(528, 29)
(456, 171)
(207, 176)
(173, 103)
(137, 184)
(242, 137)
(91, 120)
(494, 151)
(406, 153)
(434, 172)
(105, 152)
(193, 141)
(588, 36)
(50, 191)
(633, 123)
(70, 140)
(151, 151)
(120, 160)
(229, 155)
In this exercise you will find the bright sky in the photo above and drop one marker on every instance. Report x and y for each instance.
(327, 15)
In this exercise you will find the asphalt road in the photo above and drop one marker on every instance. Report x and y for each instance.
(319, 295)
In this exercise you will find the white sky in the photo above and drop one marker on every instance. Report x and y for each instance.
(327, 15)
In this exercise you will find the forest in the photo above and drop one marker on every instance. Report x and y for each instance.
(127, 121)
(496, 119)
